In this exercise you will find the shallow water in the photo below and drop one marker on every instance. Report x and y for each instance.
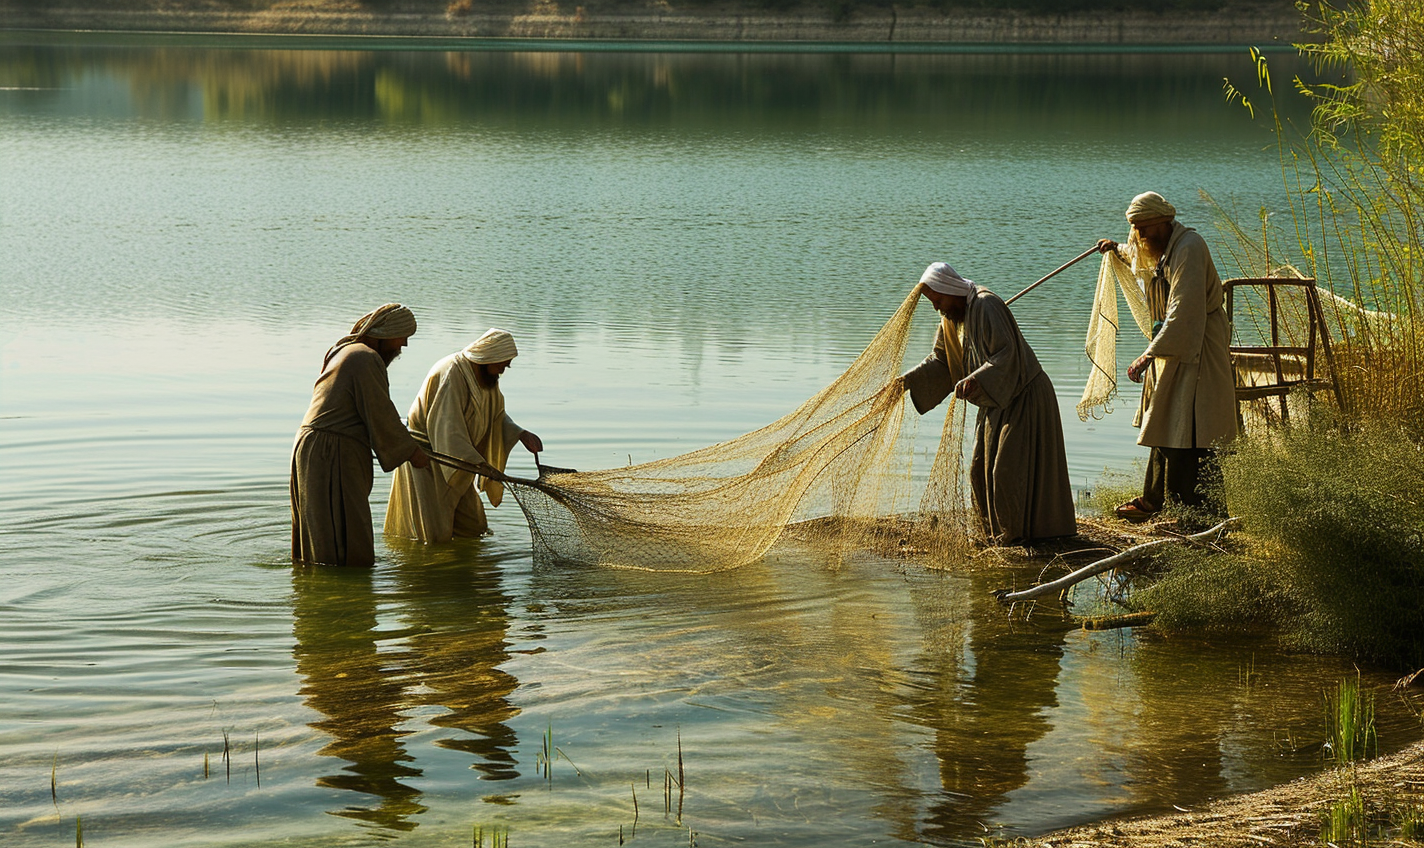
(685, 246)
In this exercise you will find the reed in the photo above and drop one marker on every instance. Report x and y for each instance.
(78, 832)
(681, 778)
(1355, 220)
(1350, 724)
(545, 757)
(54, 781)
(256, 757)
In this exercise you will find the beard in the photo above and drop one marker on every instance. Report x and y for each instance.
(1145, 255)
(487, 378)
(388, 355)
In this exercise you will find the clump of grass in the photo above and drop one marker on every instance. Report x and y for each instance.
(1344, 821)
(1350, 723)
(1410, 821)
(1337, 513)
(1116, 487)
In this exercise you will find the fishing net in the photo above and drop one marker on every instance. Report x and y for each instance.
(1114, 275)
(837, 472)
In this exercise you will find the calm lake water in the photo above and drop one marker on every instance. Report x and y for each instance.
(685, 246)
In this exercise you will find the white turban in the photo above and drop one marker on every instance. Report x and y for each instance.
(495, 345)
(945, 280)
(1149, 206)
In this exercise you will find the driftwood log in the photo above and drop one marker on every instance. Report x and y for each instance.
(1135, 552)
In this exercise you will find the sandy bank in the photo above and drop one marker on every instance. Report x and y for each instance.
(659, 21)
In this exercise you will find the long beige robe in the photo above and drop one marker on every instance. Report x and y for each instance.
(464, 419)
(351, 415)
(1191, 401)
(1019, 470)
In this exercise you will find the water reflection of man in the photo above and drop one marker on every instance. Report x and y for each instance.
(997, 697)
(1189, 394)
(350, 417)
(456, 615)
(348, 679)
(1019, 473)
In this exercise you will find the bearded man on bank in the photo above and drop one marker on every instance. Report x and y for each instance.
(1019, 471)
(351, 416)
(1189, 392)
(459, 413)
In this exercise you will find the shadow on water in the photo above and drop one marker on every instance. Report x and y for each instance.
(365, 671)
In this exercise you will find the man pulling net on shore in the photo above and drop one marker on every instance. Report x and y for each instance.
(1019, 470)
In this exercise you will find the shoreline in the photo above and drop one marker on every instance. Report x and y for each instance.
(544, 25)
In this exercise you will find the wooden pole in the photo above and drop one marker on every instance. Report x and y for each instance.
(1071, 262)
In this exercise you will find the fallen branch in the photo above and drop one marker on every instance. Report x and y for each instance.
(1135, 552)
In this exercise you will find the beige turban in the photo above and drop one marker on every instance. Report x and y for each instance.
(391, 321)
(495, 345)
(945, 280)
(1149, 207)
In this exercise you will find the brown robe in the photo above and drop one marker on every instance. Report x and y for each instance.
(1019, 471)
(351, 415)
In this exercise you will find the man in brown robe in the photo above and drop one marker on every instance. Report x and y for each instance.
(1019, 471)
(459, 413)
(1189, 397)
(350, 417)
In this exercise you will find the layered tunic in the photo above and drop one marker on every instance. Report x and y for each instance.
(462, 418)
(1019, 471)
(1189, 400)
(350, 417)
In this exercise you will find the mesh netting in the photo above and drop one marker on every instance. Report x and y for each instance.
(836, 472)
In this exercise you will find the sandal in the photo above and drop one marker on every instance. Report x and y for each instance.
(1135, 511)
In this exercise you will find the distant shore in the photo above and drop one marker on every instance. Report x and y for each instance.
(1265, 25)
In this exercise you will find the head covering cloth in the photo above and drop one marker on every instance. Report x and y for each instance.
(945, 280)
(1150, 207)
(391, 321)
(495, 345)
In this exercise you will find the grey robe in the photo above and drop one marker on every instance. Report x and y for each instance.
(1191, 400)
(351, 415)
(1019, 472)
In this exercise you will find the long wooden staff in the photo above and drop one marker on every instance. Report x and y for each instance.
(491, 472)
(1075, 260)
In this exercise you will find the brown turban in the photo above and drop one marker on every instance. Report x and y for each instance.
(391, 321)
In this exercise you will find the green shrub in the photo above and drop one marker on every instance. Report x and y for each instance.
(1337, 515)
(1207, 591)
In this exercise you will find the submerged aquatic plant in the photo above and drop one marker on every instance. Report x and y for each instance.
(499, 837)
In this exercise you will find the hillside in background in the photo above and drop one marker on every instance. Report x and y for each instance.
(1044, 22)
